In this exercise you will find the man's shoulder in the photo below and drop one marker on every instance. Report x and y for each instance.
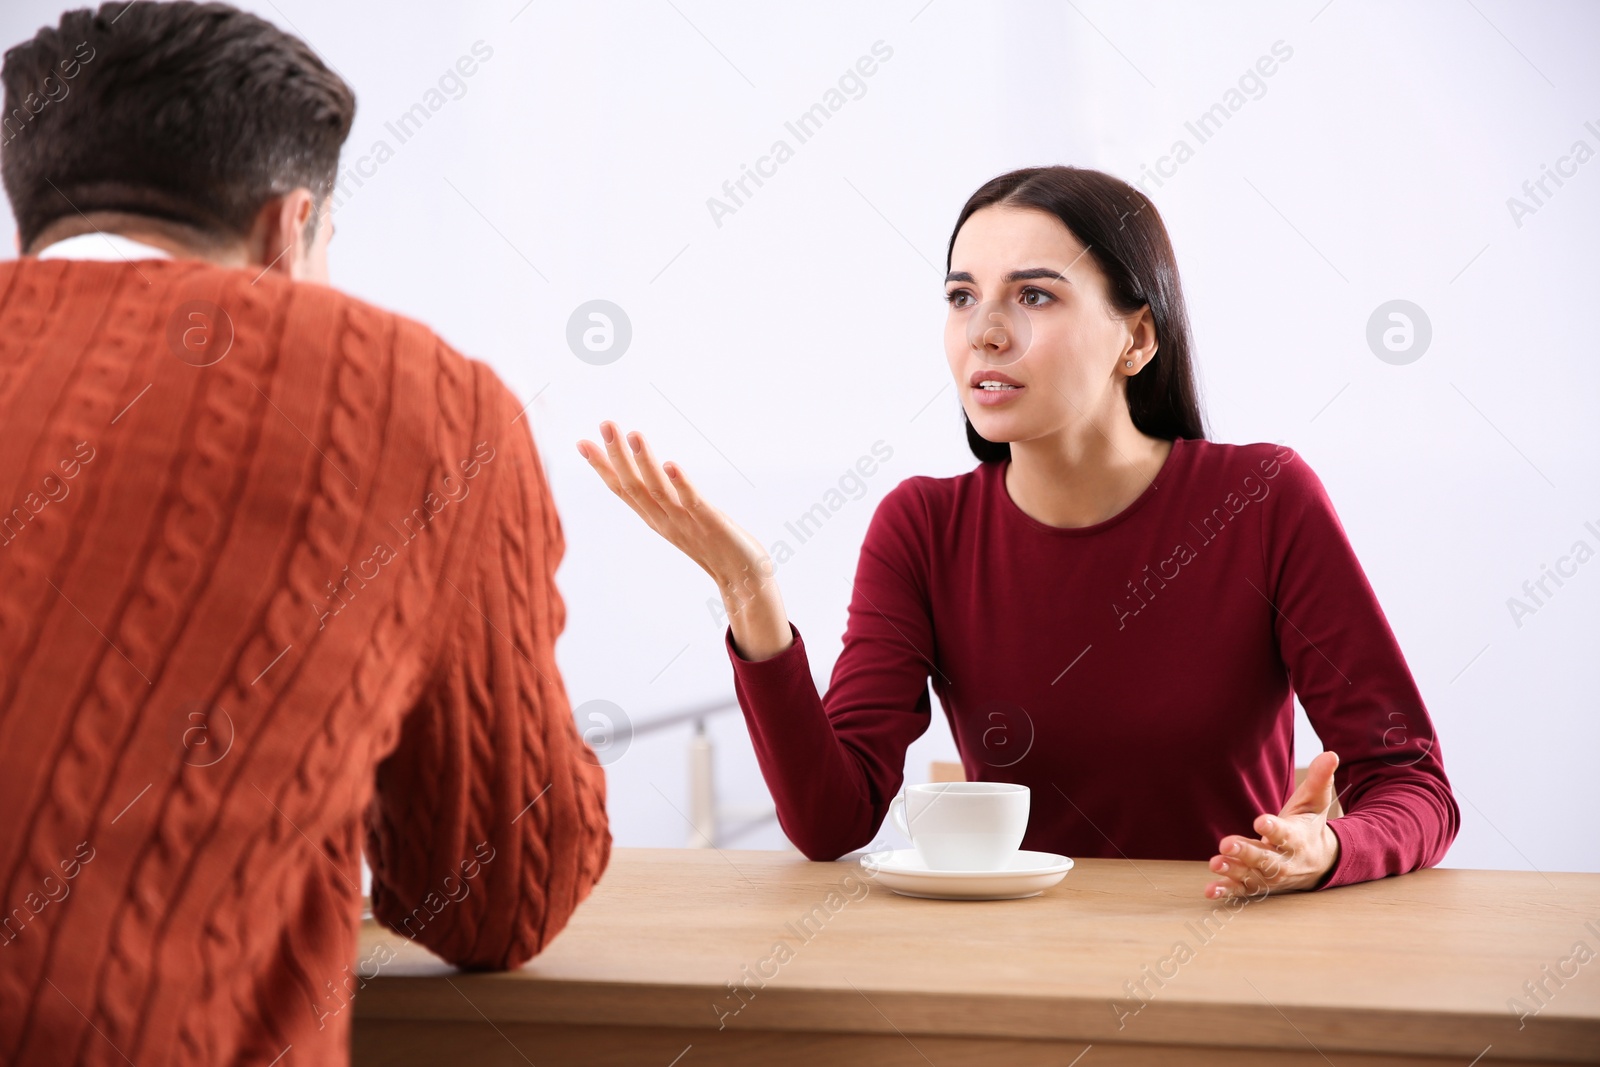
(405, 354)
(411, 344)
(190, 298)
(421, 376)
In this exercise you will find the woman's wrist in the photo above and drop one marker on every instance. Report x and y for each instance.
(1334, 848)
(757, 618)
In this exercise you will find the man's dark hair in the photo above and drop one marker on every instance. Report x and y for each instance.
(193, 113)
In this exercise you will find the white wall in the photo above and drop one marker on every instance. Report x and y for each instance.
(771, 351)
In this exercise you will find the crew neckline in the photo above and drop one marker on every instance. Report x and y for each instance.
(101, 246)
(1168, 466)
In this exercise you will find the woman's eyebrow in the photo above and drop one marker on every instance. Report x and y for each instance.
(1037, 272)
(1015, 276)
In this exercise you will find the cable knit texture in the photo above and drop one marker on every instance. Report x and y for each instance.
(276, 589)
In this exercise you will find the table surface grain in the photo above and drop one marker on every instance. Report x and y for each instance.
(1119, 951)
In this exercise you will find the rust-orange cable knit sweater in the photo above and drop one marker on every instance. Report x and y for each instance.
(276, 579)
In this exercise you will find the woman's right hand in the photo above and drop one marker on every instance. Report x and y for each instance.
(663, 497)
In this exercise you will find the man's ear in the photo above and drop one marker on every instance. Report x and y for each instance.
(278, 242)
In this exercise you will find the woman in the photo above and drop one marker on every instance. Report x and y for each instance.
(1112, 609)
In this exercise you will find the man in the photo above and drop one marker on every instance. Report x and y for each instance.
(276, 577)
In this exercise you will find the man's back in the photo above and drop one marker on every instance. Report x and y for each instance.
(276, 579)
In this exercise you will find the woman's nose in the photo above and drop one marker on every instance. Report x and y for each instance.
(993, 335)
(998, 331)
(989, 329)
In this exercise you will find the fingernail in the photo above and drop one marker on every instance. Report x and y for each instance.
(1269, 825)
(1231, 847)
(607, 432)
(634, 443)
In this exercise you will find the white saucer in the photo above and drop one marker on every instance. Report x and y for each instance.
(1026, 875)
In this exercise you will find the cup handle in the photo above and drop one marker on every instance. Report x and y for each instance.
(897, 812)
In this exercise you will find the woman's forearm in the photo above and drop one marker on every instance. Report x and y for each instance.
(756, 615)
(821, 785)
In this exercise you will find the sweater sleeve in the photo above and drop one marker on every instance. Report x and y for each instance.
(488, 826)
(1346, 666)
(834, 764)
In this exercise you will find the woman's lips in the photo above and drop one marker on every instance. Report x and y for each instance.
(991, 397)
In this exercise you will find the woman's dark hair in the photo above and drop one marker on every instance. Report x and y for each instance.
(193, 113)
(1122, 231)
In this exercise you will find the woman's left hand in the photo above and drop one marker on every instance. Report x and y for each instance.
(1296, 847)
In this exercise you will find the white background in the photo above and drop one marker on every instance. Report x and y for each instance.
(769, 353)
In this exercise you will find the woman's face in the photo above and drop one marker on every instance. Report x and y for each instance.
(1029, 311)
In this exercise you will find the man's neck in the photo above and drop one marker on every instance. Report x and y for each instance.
(100, 246)
(177, 241)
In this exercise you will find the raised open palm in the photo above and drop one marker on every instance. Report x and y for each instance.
(668, 502)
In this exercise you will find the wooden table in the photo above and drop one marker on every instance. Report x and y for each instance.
(1418, 969)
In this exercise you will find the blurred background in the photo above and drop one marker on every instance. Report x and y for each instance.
(1385, 215)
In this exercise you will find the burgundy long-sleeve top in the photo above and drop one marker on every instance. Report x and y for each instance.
(1137, 674)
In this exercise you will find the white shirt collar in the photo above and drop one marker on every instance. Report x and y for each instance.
(102, 246)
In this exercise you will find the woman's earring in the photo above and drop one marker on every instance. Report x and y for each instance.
(1130, 362)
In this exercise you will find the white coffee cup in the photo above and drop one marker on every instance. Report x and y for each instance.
(963, 826)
